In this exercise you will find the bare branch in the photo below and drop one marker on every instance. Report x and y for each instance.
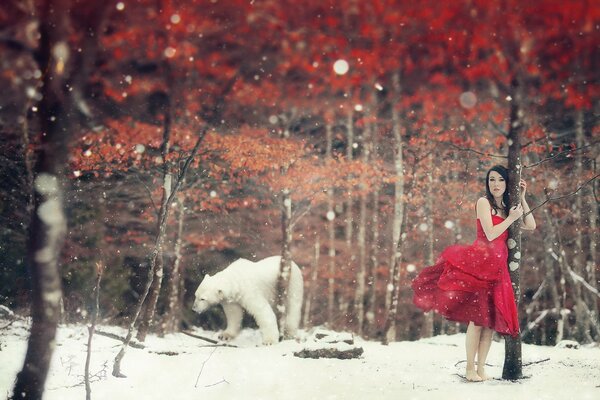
(560, 154)
(561, 197)
(148, 191)
(185, 167)
(533, 141)
(471, 150)
(299, 216)
(498, 128)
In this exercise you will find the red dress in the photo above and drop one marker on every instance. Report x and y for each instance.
(471, 283)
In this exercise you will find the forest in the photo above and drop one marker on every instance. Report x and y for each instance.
(147, 143)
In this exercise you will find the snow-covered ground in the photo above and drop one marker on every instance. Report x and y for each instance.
(426, 369)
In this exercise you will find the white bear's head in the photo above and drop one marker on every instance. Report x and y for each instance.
(208, 294)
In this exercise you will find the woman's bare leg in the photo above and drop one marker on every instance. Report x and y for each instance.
(472, 345)
(485, 342)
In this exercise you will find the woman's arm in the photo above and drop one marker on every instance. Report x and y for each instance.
(528, 221)
(483, 214)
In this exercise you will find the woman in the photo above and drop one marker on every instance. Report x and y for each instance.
(471, 284)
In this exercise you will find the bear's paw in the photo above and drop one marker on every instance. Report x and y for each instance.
(226, 336)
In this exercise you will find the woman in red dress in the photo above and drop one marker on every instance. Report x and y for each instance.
(471, 283)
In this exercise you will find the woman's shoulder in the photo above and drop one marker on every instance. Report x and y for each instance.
(483, 201)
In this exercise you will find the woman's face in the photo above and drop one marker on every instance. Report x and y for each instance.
(497, 184)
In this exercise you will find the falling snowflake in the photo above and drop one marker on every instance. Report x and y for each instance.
(341, 67)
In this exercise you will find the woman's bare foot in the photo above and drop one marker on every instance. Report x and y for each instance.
(482, 374)
(473, 376)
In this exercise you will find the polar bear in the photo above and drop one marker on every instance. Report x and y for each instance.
(251, 286)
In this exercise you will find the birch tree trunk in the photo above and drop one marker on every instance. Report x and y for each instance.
(583, 267)
(285, 267)
(552, 296)
(427, 328)
(312, 284)
(172, 318)
(349, 156)
(359, 297)
(581, 310)
(398, 184)
(389, 330)
(374, 261)
(331, 231)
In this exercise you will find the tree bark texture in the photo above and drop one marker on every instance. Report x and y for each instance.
(172, 318)
(158, 242)
(285, 268)
(158, 268)
(427, 328)
(331, 232)
(513, 363)
(312, 286)
(371, 300)
(359, 294)
(398, 183)
(62, 68)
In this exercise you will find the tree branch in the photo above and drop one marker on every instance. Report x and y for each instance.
(185, 167)
(533, 141)
(561, 197)
(561, 153)
(148, 191)
(471, 150)
(498, 128)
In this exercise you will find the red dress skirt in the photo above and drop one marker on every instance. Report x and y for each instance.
(471, 283)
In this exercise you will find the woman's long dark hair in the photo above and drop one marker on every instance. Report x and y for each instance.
(505, 198)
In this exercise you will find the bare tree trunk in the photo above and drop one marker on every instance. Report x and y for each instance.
(158, 270)
(579, 259)
(581, 310)
(172, 317)
(550, 278)
(359, 297)
(312, 285)
(374, 262)
(513, 363)
(582, 266)
(91, 330)
(349, 156)
(389, 330)
(285, 268)
(28, 160)
(331, 231)
(162, 225)
(427, 328)
(48, 223)
(398, 184)
(591, 266)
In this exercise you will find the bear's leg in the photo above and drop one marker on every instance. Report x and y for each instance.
(234, 313)
(294, 304)
(265, 318)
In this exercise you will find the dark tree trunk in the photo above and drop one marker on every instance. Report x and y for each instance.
(513, 363)
(58, 61)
